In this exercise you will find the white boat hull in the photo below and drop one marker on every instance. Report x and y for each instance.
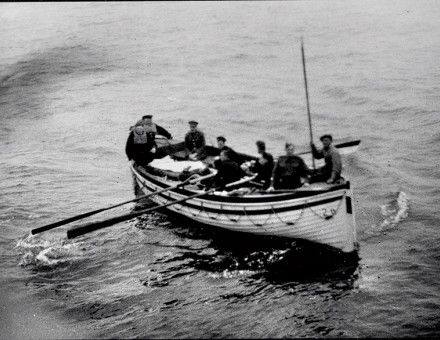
(325, 218)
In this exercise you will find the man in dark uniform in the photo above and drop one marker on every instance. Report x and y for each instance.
(289, 170)
(149, 148)
(221, 144)
(331, 171)
(228, 170)
(195, 142)
(263, 167)
(152, 128)
(139, 147)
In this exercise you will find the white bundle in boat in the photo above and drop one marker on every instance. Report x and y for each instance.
(169, 164)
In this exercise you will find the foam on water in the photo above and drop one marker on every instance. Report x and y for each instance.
(392, 213)
(40, 252)
(395, 211)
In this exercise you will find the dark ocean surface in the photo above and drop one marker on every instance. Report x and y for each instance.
(75, 76)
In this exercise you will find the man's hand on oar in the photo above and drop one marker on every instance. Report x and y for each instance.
(87, 228)
(190, 180)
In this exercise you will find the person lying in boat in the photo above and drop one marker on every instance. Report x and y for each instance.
(331, 171)
(195, 145)
(228, 171)
(263, 166)
(290, 171)
(151, 128)
(139, 146)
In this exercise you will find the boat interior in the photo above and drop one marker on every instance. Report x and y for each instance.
(172, 166)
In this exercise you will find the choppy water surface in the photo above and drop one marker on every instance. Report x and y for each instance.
(75, 76)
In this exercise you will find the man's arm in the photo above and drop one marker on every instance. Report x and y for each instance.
(336, 166)
(188, 146)
(129, 146)
(202, 139)
(234, 156)
(275, 175)
(305, 171)
(318, 154)
(161, 131)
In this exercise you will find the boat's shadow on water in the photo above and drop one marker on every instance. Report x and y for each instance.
(276, 260)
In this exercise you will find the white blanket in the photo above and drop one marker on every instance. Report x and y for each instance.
(169, 164)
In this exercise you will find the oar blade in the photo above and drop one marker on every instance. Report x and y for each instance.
(89, 227)
(90, 213)
(63, 222)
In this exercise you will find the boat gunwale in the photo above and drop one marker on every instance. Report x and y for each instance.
(255, 200)
(298, 206)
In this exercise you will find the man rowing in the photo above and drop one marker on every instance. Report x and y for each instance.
(221, 144)
(331, 171)
(228, 170)
(263, 166)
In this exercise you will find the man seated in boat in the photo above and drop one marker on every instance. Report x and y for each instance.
(263, 166)
(221, 145)
(228, 170)
(195, 145)
(290, 171)
(140, 147)
(331, 171)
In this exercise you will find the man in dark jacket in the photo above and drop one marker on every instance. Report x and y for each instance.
(152, 128)
(331, 171)
(139, 147)
(195, 142)
(263, 166)
(289, 170)
(221, 144)
(141, 143)
(228, 170)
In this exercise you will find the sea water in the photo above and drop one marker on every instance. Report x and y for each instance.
(75, 76)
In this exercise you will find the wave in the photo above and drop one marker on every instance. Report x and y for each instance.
(345, 96)
(24, 81)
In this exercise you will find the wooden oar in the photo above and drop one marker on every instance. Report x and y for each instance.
(89, 227)
(190, 180)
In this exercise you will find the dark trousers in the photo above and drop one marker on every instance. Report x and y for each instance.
(288, 182)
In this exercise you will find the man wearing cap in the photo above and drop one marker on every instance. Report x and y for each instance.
(331, 171)
(263, 166)
(290, 171)
(141, 143)
(139, 146)
(228, 171)
(151, 128)
(221, 144)
(195, 142)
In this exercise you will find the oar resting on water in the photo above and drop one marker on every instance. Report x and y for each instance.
(89, 227)
(190, 180)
